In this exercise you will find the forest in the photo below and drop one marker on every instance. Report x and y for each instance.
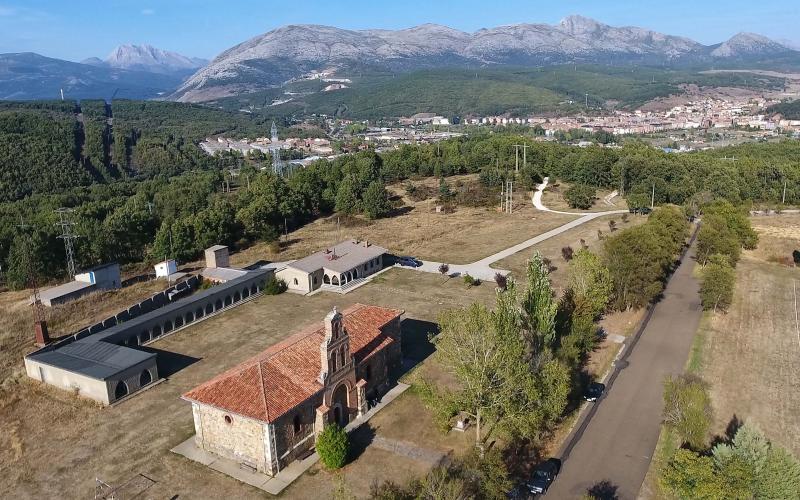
(167, 198)
(53, 146)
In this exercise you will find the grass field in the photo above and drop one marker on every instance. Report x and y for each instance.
(54, 445)
(751, 355)
(461, 237)
(80, 441)
(553, 198)
(551, 248)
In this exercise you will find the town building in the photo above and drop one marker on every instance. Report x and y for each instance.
(267, 411)
(335, 268)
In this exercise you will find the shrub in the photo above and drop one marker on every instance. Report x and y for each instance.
(444, 268)
(716, 290)
(501, 281)
(625, 218)
(469, 280)
(612, 225)
(687, 409)
(333, 446)
(796, 257)
(275, 287)
(580, 196)
(567, 253)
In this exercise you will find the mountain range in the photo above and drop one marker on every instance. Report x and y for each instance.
(288, 53)
(291, 51)
(150, 59)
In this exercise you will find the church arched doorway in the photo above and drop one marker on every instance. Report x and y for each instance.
(340, 408)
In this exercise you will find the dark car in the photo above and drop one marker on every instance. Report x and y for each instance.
(594, 391)
(408, 262)
(543, 476)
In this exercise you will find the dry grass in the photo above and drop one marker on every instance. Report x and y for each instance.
(553, 199)
(751, 355)
(16, 322)
(461, 237)
(54, 445)
(551, 248)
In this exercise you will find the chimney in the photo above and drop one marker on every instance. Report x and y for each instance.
(42, 336)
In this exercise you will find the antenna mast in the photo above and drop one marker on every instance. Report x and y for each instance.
(67, 235)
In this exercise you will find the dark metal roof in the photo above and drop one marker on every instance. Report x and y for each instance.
(99, 360)
(97, 355)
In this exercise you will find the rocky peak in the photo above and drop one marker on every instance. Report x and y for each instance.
(580, 25)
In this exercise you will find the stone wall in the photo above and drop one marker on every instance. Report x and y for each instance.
(241, 439)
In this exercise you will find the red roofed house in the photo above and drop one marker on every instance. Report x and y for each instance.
(265, 412)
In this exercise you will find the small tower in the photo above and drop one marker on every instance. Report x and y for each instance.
(334, 350)
(275, 151)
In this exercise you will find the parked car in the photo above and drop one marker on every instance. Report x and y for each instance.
(543, 476)
(408, 262)
(594, 391)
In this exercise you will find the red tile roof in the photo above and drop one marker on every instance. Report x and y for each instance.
(273, 382)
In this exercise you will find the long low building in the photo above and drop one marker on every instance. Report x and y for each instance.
(334, 268)
(107, 366)
(105, 277)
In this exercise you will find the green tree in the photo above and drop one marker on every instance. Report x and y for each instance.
(347, 197)
(376, 201)
(690, 476)
(590, 280)
(687, 409)
(580, 196)
(718, 280)
(333, 446)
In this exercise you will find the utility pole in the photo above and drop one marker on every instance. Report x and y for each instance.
(587, 101)
(41, 334)
(653, 198)
(783, 200)
(525, 155)
(516, 153)
(509, 197)
(67, 235)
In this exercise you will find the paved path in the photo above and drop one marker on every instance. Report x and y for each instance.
(482, 268)
(616, 438)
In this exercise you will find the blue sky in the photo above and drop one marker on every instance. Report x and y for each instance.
(76, 29)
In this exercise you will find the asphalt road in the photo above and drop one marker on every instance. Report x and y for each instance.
(616, 438)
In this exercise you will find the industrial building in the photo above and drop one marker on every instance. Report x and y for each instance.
(107, 366)
(105, 277)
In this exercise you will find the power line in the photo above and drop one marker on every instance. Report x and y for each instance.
(67, 235)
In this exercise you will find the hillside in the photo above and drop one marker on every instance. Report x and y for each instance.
(32, 76)
(789, 110)
(289, 52)
(48, 147)
(486, 91)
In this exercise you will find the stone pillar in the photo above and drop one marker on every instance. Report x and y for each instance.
(321, 419)
(363, 406)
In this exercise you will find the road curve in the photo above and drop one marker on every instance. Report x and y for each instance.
(482, 268)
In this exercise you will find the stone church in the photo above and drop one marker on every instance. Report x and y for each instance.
(267, 411)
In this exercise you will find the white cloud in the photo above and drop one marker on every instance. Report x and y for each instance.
(148, 12)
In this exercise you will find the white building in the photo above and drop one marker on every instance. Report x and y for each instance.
(333, 268)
